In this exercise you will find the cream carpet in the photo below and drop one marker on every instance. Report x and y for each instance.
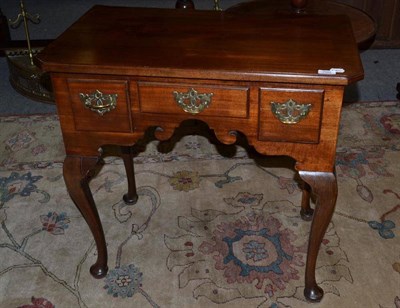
(208, 230)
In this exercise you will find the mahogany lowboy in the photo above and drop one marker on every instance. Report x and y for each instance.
(118, 71)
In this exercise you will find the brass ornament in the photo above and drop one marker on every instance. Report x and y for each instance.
(24, 17)
(99, 102)
(25, 76)
(290, 112)
(191, 101)
(217, 7)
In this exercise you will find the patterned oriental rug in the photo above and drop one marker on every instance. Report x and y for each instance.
(208, 230)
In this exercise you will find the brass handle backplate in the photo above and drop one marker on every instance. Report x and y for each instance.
(191, 101)
(99, 102)
(290, 112)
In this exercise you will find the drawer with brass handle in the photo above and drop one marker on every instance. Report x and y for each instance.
(195, 99)
(100, 105)
(292, 115)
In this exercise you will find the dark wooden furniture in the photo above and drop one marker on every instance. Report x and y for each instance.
(236, 73)
(364, 27)
(386, 15)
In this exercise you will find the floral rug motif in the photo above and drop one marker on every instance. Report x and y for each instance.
(207, 231)
(257, 250)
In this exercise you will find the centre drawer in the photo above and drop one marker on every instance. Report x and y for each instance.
(205, 100)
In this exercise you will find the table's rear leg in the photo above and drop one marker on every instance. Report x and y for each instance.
(131, 196)
(306, 211)
(78, 170)
(324, 186)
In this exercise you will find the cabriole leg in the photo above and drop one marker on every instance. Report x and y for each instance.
(78, 171)
(324, 186)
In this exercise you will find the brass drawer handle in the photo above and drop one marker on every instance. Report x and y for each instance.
(290, 112)
(99, 102)
(191, 101)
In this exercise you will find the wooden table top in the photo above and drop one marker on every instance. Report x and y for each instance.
(205, 45)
